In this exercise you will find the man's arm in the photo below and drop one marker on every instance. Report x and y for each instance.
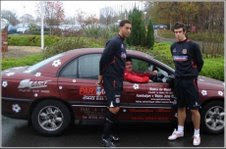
(135, 78)
(107, 56)
(198, 57)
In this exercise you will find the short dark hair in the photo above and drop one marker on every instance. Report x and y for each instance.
(123, 22)
(128, 59)
(179, 25)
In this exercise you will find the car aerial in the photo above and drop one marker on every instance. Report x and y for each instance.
(62, 89)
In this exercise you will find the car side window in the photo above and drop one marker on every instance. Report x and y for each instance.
(140, 65)
(88, 66)
(70, 71)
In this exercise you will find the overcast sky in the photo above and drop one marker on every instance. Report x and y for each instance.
(70, 7)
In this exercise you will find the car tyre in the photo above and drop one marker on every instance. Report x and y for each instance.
(212, 118)
(50, 117)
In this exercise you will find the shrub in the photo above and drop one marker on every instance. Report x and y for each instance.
(137, 37)
(100, 32)
(150, 35)
(31, 40)
(65, 45)
(94, 43)
(34, 29)
(214, 68)
(25, 61)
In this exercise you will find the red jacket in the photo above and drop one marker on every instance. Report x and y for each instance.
(136, 77)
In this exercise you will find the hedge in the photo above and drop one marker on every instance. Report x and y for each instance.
(31, 40)
(24, 61)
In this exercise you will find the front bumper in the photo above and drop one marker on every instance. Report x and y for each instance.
(16, 108)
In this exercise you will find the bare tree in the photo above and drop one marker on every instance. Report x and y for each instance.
(106, 15)
(91, 19)
(80, 17)
(205, 15)
(27, 18)
(10, 16)
(84, 19)
(70, 20)
(54, 13)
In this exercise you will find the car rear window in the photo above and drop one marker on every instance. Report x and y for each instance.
(35, 67)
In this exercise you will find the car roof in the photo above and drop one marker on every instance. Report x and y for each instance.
(100, 50)
(71, 54)
(131, 53)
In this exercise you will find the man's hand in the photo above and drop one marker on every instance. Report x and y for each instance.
(100, 80)
(153, 73)
(150, 81)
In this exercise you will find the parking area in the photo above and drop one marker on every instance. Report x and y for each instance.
(17, 133)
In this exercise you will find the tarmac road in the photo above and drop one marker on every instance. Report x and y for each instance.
(17, 133)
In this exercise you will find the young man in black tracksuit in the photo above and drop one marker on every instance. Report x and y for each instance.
(188, 63)
(112, 65)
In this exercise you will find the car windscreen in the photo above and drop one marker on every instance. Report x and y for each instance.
(42, 63)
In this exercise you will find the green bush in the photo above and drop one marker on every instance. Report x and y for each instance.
(161, 51)
(99, 32)
(31, 40)
(138, 33)
(94, 43)
(34, 40)
(214, 68)
(34, 29)
(150, 35)
(70, 43)
(24, 61)
(62, 45)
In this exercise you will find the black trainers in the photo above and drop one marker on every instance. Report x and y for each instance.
(107, 142)
(114, 138)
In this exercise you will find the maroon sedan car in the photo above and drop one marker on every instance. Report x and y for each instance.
(62, 89)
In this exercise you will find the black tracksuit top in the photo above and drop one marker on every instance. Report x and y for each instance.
(112, 62)
(187, 58)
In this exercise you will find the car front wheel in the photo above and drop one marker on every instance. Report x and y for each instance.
(213, 117)
(50, 117)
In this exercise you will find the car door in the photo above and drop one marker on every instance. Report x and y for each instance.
(77, 85)
(148, 101)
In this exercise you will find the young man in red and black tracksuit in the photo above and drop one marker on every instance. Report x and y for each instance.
(112, 65)
(188, 63)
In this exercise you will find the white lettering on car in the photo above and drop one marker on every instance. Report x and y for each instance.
(27, 83)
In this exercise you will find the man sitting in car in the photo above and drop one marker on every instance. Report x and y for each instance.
(132, 76)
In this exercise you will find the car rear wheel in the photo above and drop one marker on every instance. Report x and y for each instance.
(50, 117)
(213, 117)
